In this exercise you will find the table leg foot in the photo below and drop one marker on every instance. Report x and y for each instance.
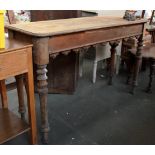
(43, 91)
(113, 45)
(44, 138)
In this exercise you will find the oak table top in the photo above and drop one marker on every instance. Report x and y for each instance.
(65, 26)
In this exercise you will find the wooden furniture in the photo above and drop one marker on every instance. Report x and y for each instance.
(131, 42)
(68, 81)
(64, 65)
(100, 52)
(148, 52)
(16, 60)
(51, 38)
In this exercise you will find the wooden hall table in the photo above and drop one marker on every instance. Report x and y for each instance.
(53, 37)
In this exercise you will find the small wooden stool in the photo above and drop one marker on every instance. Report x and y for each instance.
(16, 60)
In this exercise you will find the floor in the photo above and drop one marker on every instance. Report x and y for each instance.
(98, 113)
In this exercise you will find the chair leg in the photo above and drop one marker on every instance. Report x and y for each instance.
(20, 90)
(152, 71)
(3, 94)
(130, 68)
(94, 71)
(118, 59)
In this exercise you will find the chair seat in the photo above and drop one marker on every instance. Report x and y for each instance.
(148, 51)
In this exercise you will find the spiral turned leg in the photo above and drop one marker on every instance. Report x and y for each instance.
(43, 91)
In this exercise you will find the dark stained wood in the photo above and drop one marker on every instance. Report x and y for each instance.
(11, 126)
(38, 15)
(11, 17)
(64, 72)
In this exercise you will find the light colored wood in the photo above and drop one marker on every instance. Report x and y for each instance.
(17, 61)
(13, 63)
(64, 26)
(3, 94)
(30, 98)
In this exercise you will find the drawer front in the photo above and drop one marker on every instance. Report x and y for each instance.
(13, 63)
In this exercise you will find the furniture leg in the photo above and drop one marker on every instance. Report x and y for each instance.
(20, 90)
(3, 92)
(118, 59)
(130, 68)
(137, 63)
(94, 71)
(43, 91)
(152, 71)
(112, 61)
(81, 59)
(30, 99)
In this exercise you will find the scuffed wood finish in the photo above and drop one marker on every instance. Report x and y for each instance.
(54, 37)
(16, 60)
(80, 39)
(73, 25)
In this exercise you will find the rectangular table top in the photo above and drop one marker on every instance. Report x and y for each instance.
(12, 45)
(72, 25)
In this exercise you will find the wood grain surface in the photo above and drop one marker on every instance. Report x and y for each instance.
(64, 26)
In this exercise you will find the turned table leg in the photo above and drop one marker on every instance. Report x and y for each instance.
(137, 63)
(152, 72)
(41, 59)
(20, 90)
(112, 61)
(43, 91)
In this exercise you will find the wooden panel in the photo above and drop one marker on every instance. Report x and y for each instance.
(71, 41)
(12, 44)
(64, 65)
(39, 15)
(62, 73)
(10, 126)
(65, 26)
(12, 64)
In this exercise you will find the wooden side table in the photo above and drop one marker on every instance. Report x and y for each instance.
(16, 60)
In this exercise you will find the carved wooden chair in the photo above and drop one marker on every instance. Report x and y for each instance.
(148, 52)
(131, 42)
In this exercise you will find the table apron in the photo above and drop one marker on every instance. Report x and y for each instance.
(81, 39)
